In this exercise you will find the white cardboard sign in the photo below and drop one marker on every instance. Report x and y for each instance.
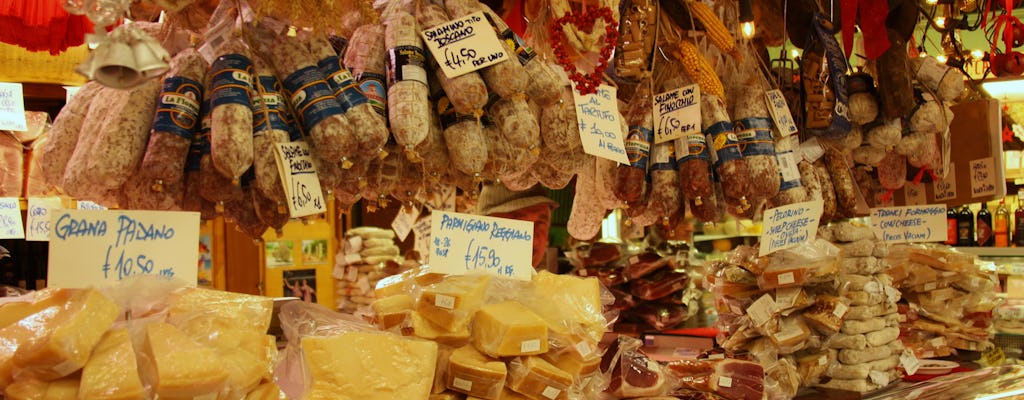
(12, 107)
(298, 174)
(10, 219)
(464, 45)
(600, 127)
(37, 228)
(910, 224)
(789, 226)
(462, 244)
(676, 113)
(98, 248)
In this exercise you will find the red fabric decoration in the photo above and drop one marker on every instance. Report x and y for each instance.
(872, 15)
(41, 25)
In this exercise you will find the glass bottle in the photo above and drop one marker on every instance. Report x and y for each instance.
(1018, 218)
(983, 228)
(951, 226)
(1001, 225)
(965, 227)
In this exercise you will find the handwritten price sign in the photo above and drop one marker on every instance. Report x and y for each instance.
(676, 113)
(462, 244)
(464, 45)
(597, 115)
(12, 107)
(102, 247)
(298, 174)
(911, 224)
(789, 226)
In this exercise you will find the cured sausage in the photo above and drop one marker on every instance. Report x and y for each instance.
(515, 120)
(559, 129)
(665, 191)
(64, 134)
(506, 78)
(369, 127)
(791, 190)
(828, 192)
(231, 89)
(318, 111)
(731, 168)
(630, 179)
(365, 57)
(843, 182)
(753, 126)
(271, 118)
(463, 137)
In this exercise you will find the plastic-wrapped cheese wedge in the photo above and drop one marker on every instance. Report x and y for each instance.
(16, 335)
(368, 366)
(420, 327)
(570, 305)
(14, 311)
(509, 329)
(451, 303)
(31, 389)
(406, 282)
(218, 308)
(86, 316)
(178, 367)
(391, 311)
(475, 374)
(506, 394)
(112, 372)
(538, 379)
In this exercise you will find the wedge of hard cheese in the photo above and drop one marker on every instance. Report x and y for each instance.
(16, 335)
(17, 310)
(368, 366)
(31, 389)
(112, 372)
(509, 329)
(218, 308)
(475, 374)
(180, 367)
(87, 315)
(451, 303)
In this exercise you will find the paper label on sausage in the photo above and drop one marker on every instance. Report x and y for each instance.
(523, 52)
(232, 80)
(406, 63)
(177, 109)
(341, 82)
(372, 86)
(638, 146)
(840, 310)
(268, 108)
(785, 278)
(724, 381)
(311, 98)
(725, 142)
(530, 346)
(755, 137)
(695, 146)
(663, 157)
(789, 171)
(200, 140)
(879, 378)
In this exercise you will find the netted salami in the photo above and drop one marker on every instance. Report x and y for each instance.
(559, 130)
(64, 134)
(515, 120)
(463, 137)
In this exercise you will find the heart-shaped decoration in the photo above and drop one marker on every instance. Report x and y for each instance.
(584, 20)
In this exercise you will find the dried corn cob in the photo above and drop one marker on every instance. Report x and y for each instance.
(698, 68)
(714, 28)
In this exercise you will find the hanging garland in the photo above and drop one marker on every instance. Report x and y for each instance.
(585, 21)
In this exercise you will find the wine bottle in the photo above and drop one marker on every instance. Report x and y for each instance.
(1001, 225)
(965, 227)
(983, 228)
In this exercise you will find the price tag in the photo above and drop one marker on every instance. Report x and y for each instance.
(464, 45)
(598, 116)
(529, 346)
(88, 205)
(298, 174)
(97, 248)
(879, 378)
(37, 228)
(724, 381)
(779, 110)
(12, 107)
(402, 224)
(992, 357)
(467, 244)
(945, 188)
(789, 226)
(909, 362)
(676, 113)
(787, 166)
(10, 219)
(915, 194)
(983, 177)
(910, 224)
(786, 297)
(70, 92)
(421, 231)
(812, 150)
(762, 310)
